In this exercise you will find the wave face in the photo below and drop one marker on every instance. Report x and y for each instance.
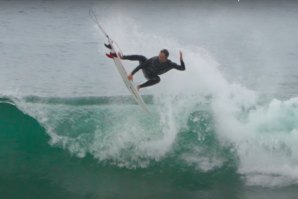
(205, 136)
(253, 144)
(53, 145)
(115, 131)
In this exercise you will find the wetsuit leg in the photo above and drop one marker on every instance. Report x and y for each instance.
(150, 82)
(139, 58)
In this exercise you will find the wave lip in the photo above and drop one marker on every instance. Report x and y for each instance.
(91, 100)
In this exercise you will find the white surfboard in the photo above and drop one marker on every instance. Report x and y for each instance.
(128, 83)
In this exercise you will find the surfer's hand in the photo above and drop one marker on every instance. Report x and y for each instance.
(181, 56)
(130, 77)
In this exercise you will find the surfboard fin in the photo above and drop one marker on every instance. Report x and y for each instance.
(111, 55)
(108, 46)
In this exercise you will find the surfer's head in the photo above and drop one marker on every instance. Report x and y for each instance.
(163, 55)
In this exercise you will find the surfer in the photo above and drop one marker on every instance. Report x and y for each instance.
(152, 67)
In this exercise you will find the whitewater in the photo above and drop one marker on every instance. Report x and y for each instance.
(209, 128)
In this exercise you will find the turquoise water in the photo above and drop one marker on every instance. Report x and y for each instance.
(224, 128)
(35, 169)
(86, 165)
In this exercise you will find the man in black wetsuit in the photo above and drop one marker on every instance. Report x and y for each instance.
(153, 67)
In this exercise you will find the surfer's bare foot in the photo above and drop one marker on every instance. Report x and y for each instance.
(120, 55)
(138, 88)
(130, 77)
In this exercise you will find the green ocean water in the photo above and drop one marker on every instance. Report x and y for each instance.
(31, 166)
(226, 127)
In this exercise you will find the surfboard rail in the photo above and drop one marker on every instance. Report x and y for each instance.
(119, 65)
(128, 83)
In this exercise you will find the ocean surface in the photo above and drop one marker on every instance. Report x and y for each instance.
(227, 127)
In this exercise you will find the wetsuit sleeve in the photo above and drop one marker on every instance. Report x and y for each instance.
(137, 69)
(178, 67)
(141, 66)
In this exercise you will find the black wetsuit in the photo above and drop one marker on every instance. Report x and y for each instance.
(152, 68)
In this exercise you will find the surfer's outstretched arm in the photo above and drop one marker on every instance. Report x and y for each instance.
(137, 68)
(181, 66)
(141, 66)
(178, 67)
(130, 77)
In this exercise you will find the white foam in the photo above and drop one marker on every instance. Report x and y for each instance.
(265, 136)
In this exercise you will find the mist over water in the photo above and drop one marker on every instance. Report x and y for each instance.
(253, 41)
(233, 112)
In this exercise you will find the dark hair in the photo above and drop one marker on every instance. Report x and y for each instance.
(166, 52)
